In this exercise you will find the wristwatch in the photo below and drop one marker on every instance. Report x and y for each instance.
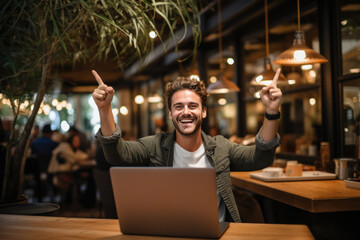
(272, 116)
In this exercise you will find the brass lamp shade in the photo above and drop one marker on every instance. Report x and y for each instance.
(222, 85)
(265, 78)
(299, 54)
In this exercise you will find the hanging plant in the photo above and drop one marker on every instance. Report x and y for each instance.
(39, 35)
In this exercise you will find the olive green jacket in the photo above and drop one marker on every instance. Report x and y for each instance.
(224, 156)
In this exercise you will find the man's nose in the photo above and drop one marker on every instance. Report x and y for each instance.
(186, 109)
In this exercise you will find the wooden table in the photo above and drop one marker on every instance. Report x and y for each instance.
(40, 227)
(318, 196)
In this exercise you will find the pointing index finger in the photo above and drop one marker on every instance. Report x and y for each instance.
(97, 77)
(276, 77)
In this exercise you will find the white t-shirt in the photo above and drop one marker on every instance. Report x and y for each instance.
(197, 159)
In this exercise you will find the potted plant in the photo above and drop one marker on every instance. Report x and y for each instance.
(38, 36)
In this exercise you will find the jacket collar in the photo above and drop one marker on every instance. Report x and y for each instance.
(209, 143)
(169, 140)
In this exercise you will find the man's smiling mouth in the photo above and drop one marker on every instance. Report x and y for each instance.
(185, 121)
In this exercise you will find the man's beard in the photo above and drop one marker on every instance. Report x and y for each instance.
(197, 126)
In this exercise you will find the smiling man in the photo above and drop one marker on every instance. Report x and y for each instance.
(187, 112)
(188, 145)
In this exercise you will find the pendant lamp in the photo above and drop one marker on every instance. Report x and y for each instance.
(299, 54)
(222, 85)
(293, 77)
(265, 77)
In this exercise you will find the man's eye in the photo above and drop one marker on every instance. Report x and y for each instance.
(178, 107)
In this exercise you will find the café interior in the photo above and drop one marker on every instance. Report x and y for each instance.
(243, 43)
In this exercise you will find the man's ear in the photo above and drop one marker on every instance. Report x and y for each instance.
(170, 117)
(204, 112)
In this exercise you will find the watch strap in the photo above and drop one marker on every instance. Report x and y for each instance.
(272, 116)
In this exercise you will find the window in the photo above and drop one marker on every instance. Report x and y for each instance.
(351, 118)
(350, 36)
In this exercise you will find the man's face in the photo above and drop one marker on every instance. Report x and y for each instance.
(186, 112)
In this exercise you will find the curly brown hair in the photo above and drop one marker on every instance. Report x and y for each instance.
(182, 83)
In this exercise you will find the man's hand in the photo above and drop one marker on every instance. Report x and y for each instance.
(271, 95)
(102, 95)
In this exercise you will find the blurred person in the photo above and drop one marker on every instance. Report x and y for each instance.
(67, 156)
(187, 145)
(85, 144)
(43, 145)
(57, 136)
(65, 162)
(34, 133)
(37, 164)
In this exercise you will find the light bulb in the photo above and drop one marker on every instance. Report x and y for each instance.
(222, 101)
(54, 102)
(306, 67)
(259, 78)
(213, 79)
(230, 61)
(139, 99)
(152, 34)
(124, 110)
(312, 101)
(299, 55)
(195, 77)
(291, 82)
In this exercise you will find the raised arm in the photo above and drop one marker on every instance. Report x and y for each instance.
(271, 98)
(103, 96)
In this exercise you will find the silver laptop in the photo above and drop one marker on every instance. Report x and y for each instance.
(163, 201)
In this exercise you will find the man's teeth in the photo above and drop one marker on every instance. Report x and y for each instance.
(186, 121)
